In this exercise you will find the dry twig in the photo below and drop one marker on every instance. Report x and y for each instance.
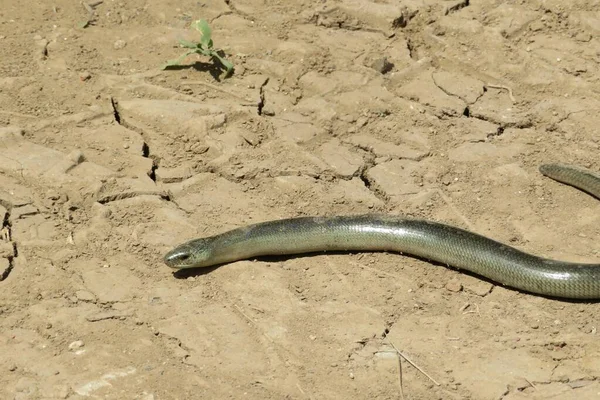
(415, 365)
(509, 90)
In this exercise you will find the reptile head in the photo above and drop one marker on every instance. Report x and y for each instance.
(193, 254)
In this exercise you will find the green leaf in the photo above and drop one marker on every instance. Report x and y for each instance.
(204, 47)
(205, 32)
(228, 65)
(188, 44)
(178, 60)
(205, 52)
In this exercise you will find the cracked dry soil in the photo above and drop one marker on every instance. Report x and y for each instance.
(430, 108)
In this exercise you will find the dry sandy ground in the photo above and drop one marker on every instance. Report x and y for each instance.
(336, 107)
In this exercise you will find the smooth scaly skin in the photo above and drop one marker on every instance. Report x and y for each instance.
(430, 240)
(580, 178)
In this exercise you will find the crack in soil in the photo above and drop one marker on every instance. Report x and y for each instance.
(412, 49)
(456, 7)
(262, 97)
(377, 192)
(7, 234)
(128, 195)
(235, 10)
(115, 106)
(145, 147)
(467, 112)
(447, 92)
(562, 119)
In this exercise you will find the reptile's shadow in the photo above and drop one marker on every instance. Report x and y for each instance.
(185, 273)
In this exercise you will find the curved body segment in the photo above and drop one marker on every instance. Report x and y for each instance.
(430, 240)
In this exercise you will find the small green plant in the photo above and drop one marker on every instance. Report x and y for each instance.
(204, 47)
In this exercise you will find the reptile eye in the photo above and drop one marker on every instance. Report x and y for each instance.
(183, 256)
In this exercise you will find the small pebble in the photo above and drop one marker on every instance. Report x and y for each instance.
(76, 156)
(119, 44)
(12, 367)
(360, 122)
(480, 289)
(76, 345)
(382, 65)
(84, 295)
(84, 76)
(583, 37)
(454, 285)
